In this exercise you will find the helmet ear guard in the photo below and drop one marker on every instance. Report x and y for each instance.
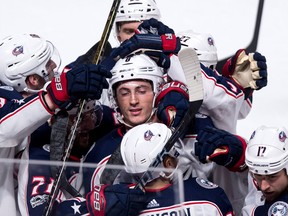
(203, 44)
(267, 150)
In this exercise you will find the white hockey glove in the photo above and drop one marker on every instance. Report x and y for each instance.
(248, 70)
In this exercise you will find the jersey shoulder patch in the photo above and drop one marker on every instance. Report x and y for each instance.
(205, 183)
(278, 208)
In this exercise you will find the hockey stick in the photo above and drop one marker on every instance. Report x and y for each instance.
(191, 67)
(254, 42)
(99, 52)
(58, 136)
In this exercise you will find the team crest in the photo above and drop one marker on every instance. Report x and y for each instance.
(205, 183)
(17, 50)
(282, 136)
(210, 41)
(278, 209)
(148, 135)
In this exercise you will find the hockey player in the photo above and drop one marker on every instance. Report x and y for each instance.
(201, 197)
(139, 147)
(224, 90)
(27, 62)
(135, 82)
(133, 99)
(34, 179)
(204, 45)
(138, 155)
(266, 157)
(130, 14)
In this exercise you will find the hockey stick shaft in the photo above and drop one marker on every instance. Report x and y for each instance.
(72, 135)
(253, 44)
(191, 67)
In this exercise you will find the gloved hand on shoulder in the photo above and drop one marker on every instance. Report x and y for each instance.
(170, 43)
(85, 81)
(222, 147)
(172, 103)
(152, 38)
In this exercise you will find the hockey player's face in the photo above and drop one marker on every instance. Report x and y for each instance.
(127, 30)
(50, 67)
(272, 186)
(135, 100)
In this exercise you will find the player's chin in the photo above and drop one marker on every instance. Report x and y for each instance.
(137, 120)
(270, 196)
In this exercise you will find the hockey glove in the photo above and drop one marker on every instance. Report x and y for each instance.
(221, 147)
(116, 199)
(248, 70)
(171, 43)
(143, 43)
(81, 82)
(172, 103)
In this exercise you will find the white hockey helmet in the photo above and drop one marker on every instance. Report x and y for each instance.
(141, 144)
(267, 150)
(23, 55)
(135, 67)
(203, 44)
(136, 10)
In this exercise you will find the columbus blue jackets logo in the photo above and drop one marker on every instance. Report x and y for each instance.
(282, 136)
(205, 183)
(210, 41)
(278, 209)
(148, 135)
(17, 50)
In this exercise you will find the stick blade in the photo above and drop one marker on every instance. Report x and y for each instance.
(192, 71)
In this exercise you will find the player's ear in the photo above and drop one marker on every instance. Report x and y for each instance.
(169, 162)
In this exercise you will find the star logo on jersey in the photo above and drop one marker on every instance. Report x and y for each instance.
(76, 207)
(17, 50)
(19, 101)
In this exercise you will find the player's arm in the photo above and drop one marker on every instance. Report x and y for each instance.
(118, 199)
(81, 82)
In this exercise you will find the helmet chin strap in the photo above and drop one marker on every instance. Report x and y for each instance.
(26, 89)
